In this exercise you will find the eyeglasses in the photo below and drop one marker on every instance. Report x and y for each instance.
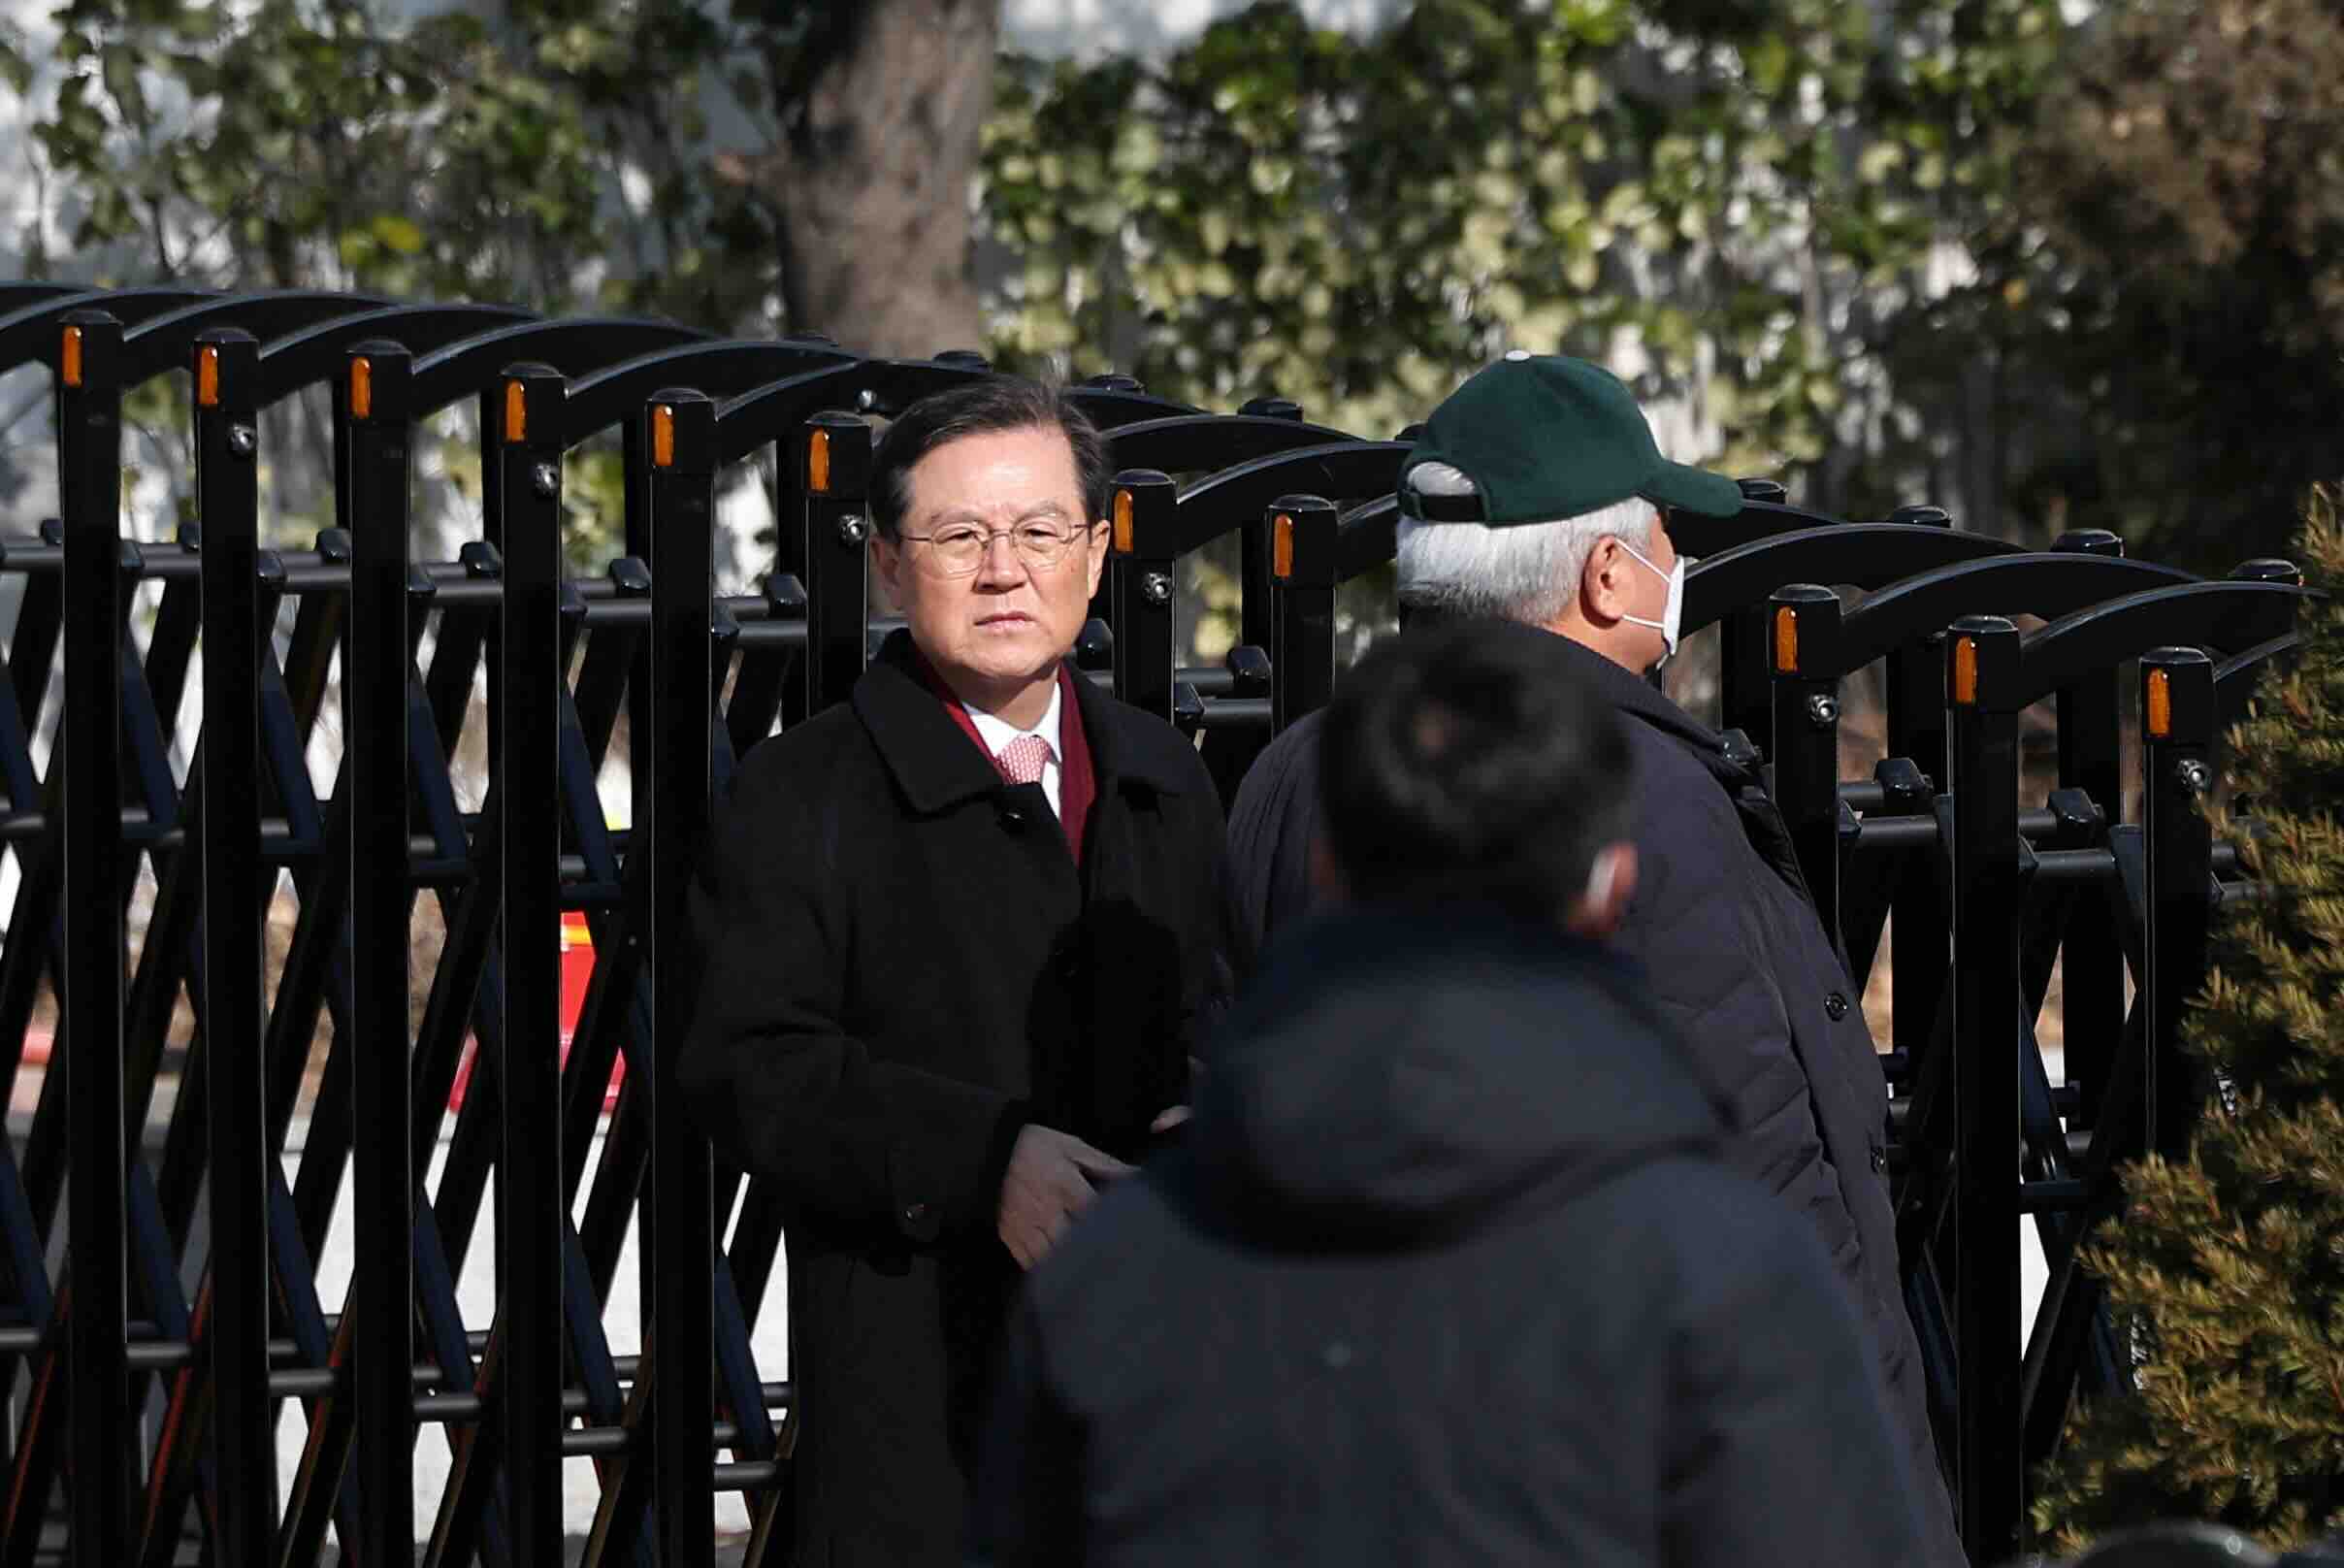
(957, 553)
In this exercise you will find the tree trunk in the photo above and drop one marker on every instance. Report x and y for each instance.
(871, 186)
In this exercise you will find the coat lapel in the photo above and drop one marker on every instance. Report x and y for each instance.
(934, 763)
(1127, 746)
(936, 767)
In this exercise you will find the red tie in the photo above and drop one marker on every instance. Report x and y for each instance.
(1021, 761)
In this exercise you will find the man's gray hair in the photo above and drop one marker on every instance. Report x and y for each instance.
(1525, 572)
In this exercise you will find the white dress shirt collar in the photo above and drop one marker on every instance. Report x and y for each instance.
(999, 732)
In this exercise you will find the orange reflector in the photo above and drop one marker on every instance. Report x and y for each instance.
(2160, 702)
(69, 358)
(516, 412)
(362, 388)
(818, 462)
(1123, 522)
(1281, 547)
(207, 378)
(1964, 671)
(1786, 641)
(663, 436)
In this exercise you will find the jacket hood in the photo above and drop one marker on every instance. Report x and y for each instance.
(1402, 1075)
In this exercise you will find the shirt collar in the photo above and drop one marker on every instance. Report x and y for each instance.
(998, 733)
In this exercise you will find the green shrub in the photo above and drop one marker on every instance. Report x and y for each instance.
(2226, 1272)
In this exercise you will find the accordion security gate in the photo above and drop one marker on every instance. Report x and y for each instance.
(1987, 894)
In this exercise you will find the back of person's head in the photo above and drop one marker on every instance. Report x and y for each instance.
(1470, 761)
(1521, 571)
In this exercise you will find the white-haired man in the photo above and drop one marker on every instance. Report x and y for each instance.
(1536, 493)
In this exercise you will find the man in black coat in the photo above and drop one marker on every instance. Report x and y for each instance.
(1533, 497)
(1449, 1268)
(954, 932)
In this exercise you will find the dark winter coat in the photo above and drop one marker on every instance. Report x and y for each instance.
(1449, 1271)
(1736, 958)
(902, 968)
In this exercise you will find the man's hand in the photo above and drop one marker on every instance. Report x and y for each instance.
(1050, 1180)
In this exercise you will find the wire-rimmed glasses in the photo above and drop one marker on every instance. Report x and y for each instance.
(958, 551)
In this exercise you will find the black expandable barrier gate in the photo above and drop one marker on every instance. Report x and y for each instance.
(1987, 891)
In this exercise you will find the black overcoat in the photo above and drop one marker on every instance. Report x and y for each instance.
(901, 967)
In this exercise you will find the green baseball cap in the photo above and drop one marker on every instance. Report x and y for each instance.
(1542, 437)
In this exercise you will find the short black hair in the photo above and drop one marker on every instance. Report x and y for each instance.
(982, 407)
(1473, 761)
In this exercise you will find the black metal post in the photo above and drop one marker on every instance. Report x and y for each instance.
(1144, 540)
(1256, 573)
(2267, 568)
(1920, 910)
(790, 564)
(1803, 651)
(375, 697)
(835, 466)
(532, 1213)
(1257, 586)
(1256, 569)
(635, 467)
(1745, 700)
(2092, 973)
(89, 496)
(237, 883)
(2177, 735)
(1981, 666)
(1302, 529)
(1921, 515)
(492, 534)
(1745, 650)
(681, 1239)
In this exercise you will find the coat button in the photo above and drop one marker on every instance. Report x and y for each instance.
(1834, 1006)
(914, 1213)
(1012, 816)
(1879, 1160)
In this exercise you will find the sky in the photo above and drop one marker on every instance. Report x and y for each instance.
(1054, 28)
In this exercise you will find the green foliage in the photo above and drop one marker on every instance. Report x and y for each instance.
(547, 159)
(2079, 276)
(554, 158)
(2183, 240)
(2226, 1272)
(1359, 223)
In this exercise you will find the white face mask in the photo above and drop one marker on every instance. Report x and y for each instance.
(1671, 618)
(1602, 876)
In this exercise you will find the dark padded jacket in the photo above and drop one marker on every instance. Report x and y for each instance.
(1735, 958)
(1449, 1271)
